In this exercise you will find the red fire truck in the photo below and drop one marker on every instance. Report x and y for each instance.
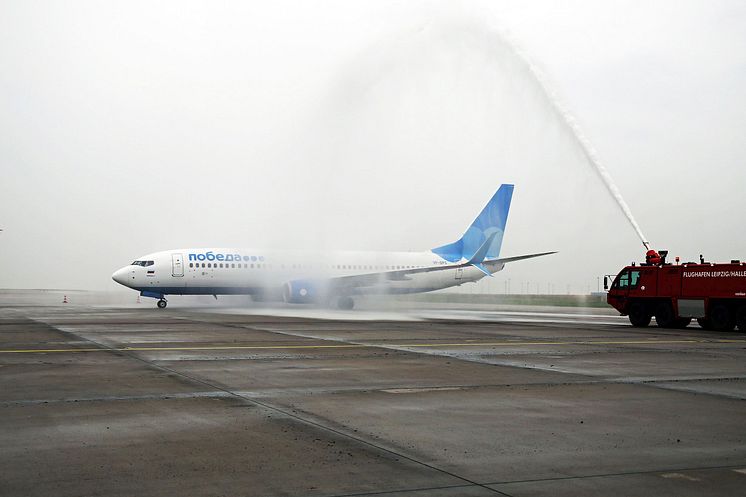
(712, 293)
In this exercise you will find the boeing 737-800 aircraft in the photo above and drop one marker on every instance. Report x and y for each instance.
(302, 277)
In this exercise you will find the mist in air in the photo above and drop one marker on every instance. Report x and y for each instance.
(137, 128)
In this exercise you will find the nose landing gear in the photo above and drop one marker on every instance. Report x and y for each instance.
(162, 304)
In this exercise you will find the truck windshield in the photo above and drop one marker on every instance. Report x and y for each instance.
(627, 279)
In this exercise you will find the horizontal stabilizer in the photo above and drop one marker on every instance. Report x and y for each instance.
(520, 257)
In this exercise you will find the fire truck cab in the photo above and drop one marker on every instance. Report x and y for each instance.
(712, 293)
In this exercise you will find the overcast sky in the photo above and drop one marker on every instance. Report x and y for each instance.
(132, 127)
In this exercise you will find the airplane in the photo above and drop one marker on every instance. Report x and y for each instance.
(300, 277)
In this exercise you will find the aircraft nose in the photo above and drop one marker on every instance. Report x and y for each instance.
(120, 276)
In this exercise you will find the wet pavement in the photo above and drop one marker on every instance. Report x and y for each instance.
(471, 402)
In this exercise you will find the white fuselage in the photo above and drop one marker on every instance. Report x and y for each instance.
(251, 271)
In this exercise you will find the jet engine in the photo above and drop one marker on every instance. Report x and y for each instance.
(302, 292)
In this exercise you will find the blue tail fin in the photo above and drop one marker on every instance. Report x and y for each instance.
(491, 220)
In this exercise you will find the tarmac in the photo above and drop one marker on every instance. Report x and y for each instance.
(106, 400)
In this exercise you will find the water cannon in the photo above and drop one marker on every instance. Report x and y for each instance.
(652, 258)
(656, 258)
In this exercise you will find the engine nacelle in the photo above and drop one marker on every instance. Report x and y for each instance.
(302, 292)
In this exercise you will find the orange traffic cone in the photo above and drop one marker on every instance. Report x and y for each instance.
(64, 299)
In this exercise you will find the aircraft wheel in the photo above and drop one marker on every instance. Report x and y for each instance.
(639, 315)
(721, 318)
(664, 315)
(162, 304)
(345, 303)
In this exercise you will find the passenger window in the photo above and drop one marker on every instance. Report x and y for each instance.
(191, 264)
(209, 264)
(203, 264)
(221, 264)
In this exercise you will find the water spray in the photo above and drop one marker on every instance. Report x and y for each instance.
(576, 131)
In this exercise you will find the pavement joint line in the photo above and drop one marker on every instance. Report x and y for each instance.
(355, 345)
(694, 379)
(289, 414)
(407, 491)
(115, 398)
(621, 473)
(272, 393)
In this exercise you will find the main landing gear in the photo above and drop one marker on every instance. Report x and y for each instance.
(345, 303)
(162, 304)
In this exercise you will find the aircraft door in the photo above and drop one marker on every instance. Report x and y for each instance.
(459, 273)
(177, 265)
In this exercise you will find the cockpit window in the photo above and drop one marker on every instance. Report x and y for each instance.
(143, 263)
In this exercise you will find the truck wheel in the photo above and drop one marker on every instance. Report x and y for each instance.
(741, 318)
(721, 318)
(704, 323)
(664, 315)
(639, 315)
